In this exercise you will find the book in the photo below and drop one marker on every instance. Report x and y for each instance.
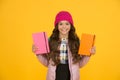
(40, 40)
(86, 43)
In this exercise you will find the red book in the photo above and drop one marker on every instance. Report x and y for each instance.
(41, 41)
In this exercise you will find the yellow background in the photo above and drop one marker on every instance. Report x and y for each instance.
(20, 18)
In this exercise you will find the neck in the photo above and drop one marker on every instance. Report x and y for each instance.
(63, 36)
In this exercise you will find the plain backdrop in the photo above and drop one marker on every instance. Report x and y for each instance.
(20, 18)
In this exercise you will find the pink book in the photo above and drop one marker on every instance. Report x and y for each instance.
(41, 41)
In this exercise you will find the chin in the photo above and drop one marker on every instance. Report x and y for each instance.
(65, 33)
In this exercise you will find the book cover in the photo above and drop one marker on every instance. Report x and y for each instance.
(86, 43)
(40, 40)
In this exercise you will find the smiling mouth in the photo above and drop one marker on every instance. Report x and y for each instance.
(64, 29)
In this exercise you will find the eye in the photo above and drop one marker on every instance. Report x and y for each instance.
(67, 23)
(60, 24)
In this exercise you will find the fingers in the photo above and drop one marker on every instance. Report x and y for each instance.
(34, 48)
(93, 50)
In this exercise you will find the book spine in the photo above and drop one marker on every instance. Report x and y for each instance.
(45, 41)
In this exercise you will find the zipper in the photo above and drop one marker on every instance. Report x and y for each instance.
(70, 64)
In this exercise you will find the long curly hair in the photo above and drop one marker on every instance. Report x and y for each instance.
(73, 43)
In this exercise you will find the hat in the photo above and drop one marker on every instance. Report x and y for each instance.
(63, 15)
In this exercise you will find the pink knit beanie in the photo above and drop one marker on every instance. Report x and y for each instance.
(63, 15)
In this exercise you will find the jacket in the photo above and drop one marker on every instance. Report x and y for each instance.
(74, 68)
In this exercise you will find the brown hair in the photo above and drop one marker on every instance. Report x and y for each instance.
(54, 42)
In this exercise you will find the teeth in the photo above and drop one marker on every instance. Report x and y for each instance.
(64, 30)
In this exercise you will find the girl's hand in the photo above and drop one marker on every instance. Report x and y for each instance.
(34, 48)
(93, 50)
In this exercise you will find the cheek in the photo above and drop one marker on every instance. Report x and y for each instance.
(69, 28)
(59, 27)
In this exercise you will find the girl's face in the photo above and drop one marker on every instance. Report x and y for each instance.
(64, 27)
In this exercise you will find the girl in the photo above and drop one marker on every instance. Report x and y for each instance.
(63, 61)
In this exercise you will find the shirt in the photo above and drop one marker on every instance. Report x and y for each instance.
(63, 51)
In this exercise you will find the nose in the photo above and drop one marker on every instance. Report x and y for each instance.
(64, 25)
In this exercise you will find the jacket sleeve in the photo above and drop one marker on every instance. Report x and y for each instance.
(43, 60)
(84, 61)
